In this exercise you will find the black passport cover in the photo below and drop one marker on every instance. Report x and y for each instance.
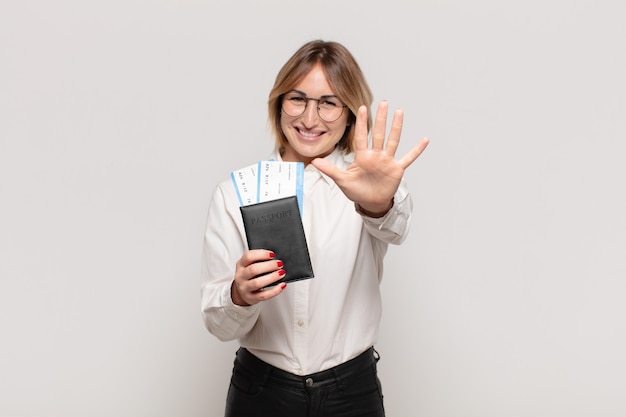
(276, 225)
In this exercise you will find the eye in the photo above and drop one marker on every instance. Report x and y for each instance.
(330, 103)
(296, 99)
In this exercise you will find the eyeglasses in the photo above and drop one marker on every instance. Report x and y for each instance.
(329, 108)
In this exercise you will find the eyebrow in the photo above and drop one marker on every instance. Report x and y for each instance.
(304, 94)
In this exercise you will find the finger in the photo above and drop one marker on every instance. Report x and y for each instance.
(262, 268)
(380, 126)
(414, 153)
(255, 255)
(271, 292)
(327, 167)
(360, 129)
(260, 289)
(262, 283)
(395, 132)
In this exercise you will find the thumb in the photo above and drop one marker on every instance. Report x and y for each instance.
(326, 167)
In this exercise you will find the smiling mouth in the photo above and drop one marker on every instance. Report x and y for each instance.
(309, 135)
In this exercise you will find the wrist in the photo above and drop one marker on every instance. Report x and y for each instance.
(236, 297)
(374, 211)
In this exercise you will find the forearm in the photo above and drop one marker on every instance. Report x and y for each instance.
(223, 245)
(224, 319)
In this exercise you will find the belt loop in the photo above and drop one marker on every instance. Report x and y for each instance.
(376, 354)
(338, 381)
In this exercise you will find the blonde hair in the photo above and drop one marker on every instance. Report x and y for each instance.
(343, 75)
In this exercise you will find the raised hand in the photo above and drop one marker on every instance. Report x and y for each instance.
(373, 178)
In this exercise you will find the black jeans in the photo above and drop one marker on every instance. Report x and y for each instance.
(351, 389)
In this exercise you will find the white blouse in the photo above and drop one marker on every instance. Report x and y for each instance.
(316, 323)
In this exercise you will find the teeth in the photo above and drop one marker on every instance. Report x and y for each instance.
(308, 134)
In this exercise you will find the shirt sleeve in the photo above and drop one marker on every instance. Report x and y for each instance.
(394, 226)
(224, 243)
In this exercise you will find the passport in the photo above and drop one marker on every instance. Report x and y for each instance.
(276, 225)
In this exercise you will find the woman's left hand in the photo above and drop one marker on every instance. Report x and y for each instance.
(373, 178)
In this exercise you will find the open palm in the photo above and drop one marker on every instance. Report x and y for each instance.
(373, 178)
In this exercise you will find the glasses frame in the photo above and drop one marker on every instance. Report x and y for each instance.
(304, 97)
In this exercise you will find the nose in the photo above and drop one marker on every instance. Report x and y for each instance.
(310, 116)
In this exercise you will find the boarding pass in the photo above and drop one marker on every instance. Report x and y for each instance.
(269, 180)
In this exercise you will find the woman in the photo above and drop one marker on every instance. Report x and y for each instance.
(307, 347)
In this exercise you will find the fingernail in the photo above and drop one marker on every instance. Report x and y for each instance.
(280, 264)
(282, 272)
(272, 254)
(283, 285)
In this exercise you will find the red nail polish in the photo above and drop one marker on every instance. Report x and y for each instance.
(280, 264)
(283, 285)
(282, 272)
(272, 254)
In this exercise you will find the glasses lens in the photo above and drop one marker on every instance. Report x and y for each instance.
(294, 104)
(329, 109)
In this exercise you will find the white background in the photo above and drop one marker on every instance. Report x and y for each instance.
(118, 118)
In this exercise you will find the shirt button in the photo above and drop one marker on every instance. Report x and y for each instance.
(300, 323)
(309, 382)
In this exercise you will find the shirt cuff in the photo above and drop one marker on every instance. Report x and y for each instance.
(236, 313)
(396, 218)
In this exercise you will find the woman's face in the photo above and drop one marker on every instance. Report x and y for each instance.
(308, 136)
